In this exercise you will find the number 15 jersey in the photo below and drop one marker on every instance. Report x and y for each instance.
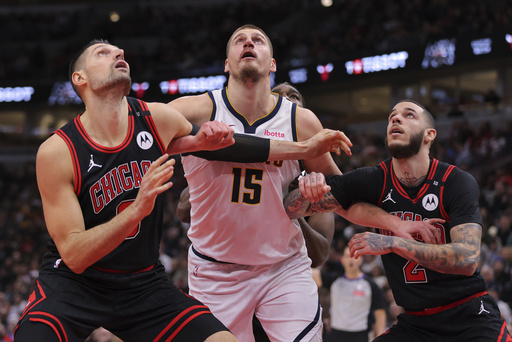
(237, 212)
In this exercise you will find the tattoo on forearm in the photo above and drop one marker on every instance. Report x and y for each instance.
(326, 204)
(464, 250)
(380, 243)
(296, 204)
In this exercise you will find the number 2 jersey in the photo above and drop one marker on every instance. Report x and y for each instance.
(107, 180)
(448, 193)
(237, 212)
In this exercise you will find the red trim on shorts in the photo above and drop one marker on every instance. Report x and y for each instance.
(504, 335)
(438, 309)
(183, 313)
(106, 270)
(185, 323)
(62, 336)
(34, 299)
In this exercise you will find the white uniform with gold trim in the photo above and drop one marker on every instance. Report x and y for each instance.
(247, 256)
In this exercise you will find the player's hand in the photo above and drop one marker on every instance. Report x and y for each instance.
(369, 243)
(426, 230)
(313, 186)
(214, 135)
(154, 182)
(328, 140)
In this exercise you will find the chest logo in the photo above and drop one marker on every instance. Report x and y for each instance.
(93, 164)
(430, 202)
(388, 197)
(144, 140)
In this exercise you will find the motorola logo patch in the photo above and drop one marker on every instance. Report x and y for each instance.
(144, 140)
(430, 202)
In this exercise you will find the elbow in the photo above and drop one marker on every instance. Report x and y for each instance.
(467, 267)
(470, 268)
(75, 267)
(74, 262)
(318, 260)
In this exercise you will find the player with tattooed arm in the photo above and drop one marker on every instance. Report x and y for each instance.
(438, 284)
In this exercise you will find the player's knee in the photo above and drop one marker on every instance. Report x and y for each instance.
(221, 336)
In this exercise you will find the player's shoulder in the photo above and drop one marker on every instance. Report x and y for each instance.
(196, 108)
(453, 172)
(52, 147)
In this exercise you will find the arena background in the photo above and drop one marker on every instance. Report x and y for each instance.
(351, 60)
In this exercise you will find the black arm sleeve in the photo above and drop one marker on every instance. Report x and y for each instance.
(246, 149)
(360, 185)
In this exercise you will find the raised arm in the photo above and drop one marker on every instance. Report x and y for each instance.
(249, 148)
(78, 247)
(313, 196)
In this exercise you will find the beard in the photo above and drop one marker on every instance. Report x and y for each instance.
(248, 74)
(114, 81)
(406, 151)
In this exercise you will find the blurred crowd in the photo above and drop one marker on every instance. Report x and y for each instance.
(23, 235)
(172, 36)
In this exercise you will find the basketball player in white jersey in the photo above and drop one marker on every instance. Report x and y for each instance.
(247, 257)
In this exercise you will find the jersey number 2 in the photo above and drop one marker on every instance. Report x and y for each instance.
(250, 183)
(414, 273)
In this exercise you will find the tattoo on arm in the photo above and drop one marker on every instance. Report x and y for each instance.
(458, 257)
(297, 205)
(326, 204)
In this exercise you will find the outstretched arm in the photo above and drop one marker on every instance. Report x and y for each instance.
(317, 198)
(461, 256)
(249, 148)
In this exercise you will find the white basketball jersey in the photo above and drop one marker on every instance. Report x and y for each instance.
(237, 212)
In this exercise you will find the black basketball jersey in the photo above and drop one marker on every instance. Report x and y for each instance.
(416, 287)
(107, 180)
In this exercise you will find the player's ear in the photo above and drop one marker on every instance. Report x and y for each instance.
(78, 78)
(226, 68)
(430, 135)
(273, 65)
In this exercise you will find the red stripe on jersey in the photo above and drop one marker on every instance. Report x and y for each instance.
(144, 105)
(74, 159)
(106, 270)
(441, 207)
(438, 309)
(183, 313)
(152, 127)
(433, 169)
(385, 169)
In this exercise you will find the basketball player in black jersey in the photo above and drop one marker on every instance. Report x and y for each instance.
(100, 178)
(439, 284)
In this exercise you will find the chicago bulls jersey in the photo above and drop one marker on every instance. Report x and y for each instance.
(448, 193)
(107, 179)
(237, 212)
